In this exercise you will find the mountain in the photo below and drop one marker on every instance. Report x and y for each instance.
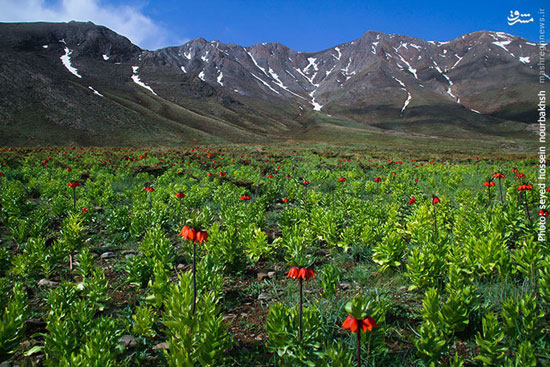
(83, 83)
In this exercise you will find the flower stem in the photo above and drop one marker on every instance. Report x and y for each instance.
(500, 186)
(359, 347)
(435, 221)
(527, 207)
(74, 198)
(300, 306)
(194, 279)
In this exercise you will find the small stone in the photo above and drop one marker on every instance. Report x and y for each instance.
(270, 274)
(181, 267)
(345, 286)
(163, 346)
(229, 317)
(262, 276)
(98, 209)
(127, 341)
(47, 283)
(259, 337)
(107, 255)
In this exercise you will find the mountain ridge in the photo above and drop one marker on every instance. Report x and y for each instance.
(213, 92)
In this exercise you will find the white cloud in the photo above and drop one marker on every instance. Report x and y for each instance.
(123, 19)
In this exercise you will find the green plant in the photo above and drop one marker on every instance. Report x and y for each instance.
(284, 337)
(13, 318)
(491, 346)
(522, 318)
(329, 276)
(143, 321)
(193, 338)
(433, 341)
(389, 252)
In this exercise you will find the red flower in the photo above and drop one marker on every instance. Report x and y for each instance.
(543, 213)
(245, 197)
(515, 170)
(188, 233)
(412, 200)
(84, 210)
(293, 273)
(547, 190)
(1, 174)
(377, 179)
(416, 180)
(148, 188)
(306, 273)
(270, 175)
(180, 195)
(498, 175)
(489, 183)
(435, 200)
(209, 174)
(74, 184)
(302, 273)
(520, 175)
(285, 200)
(354, 325)
(69, 170)
(201, 236)
(306, 182)
(222, 174)
(525, 187)
(287, 175)
(342, 179)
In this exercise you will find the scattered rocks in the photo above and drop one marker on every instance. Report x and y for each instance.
(345, 286)
(163, 346)
(107, 255)
(269, 275)
(229, 317)
(47, 283)
(127, 341)
(181, 267)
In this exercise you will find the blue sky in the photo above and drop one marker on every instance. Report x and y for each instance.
(303, 25)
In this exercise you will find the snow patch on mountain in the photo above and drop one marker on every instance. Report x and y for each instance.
(219, 78)
(503, 44)
(337, 49)
(411, 69)
(409, 97)
(280, 83)
(95, 91)
(456, 63)
(525, 59)
(257, 65)
(138, 81)
(266, 84)
(66, 60)
(105, 57)
(201, 76)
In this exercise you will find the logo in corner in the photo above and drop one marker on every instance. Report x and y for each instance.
(517, 17)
